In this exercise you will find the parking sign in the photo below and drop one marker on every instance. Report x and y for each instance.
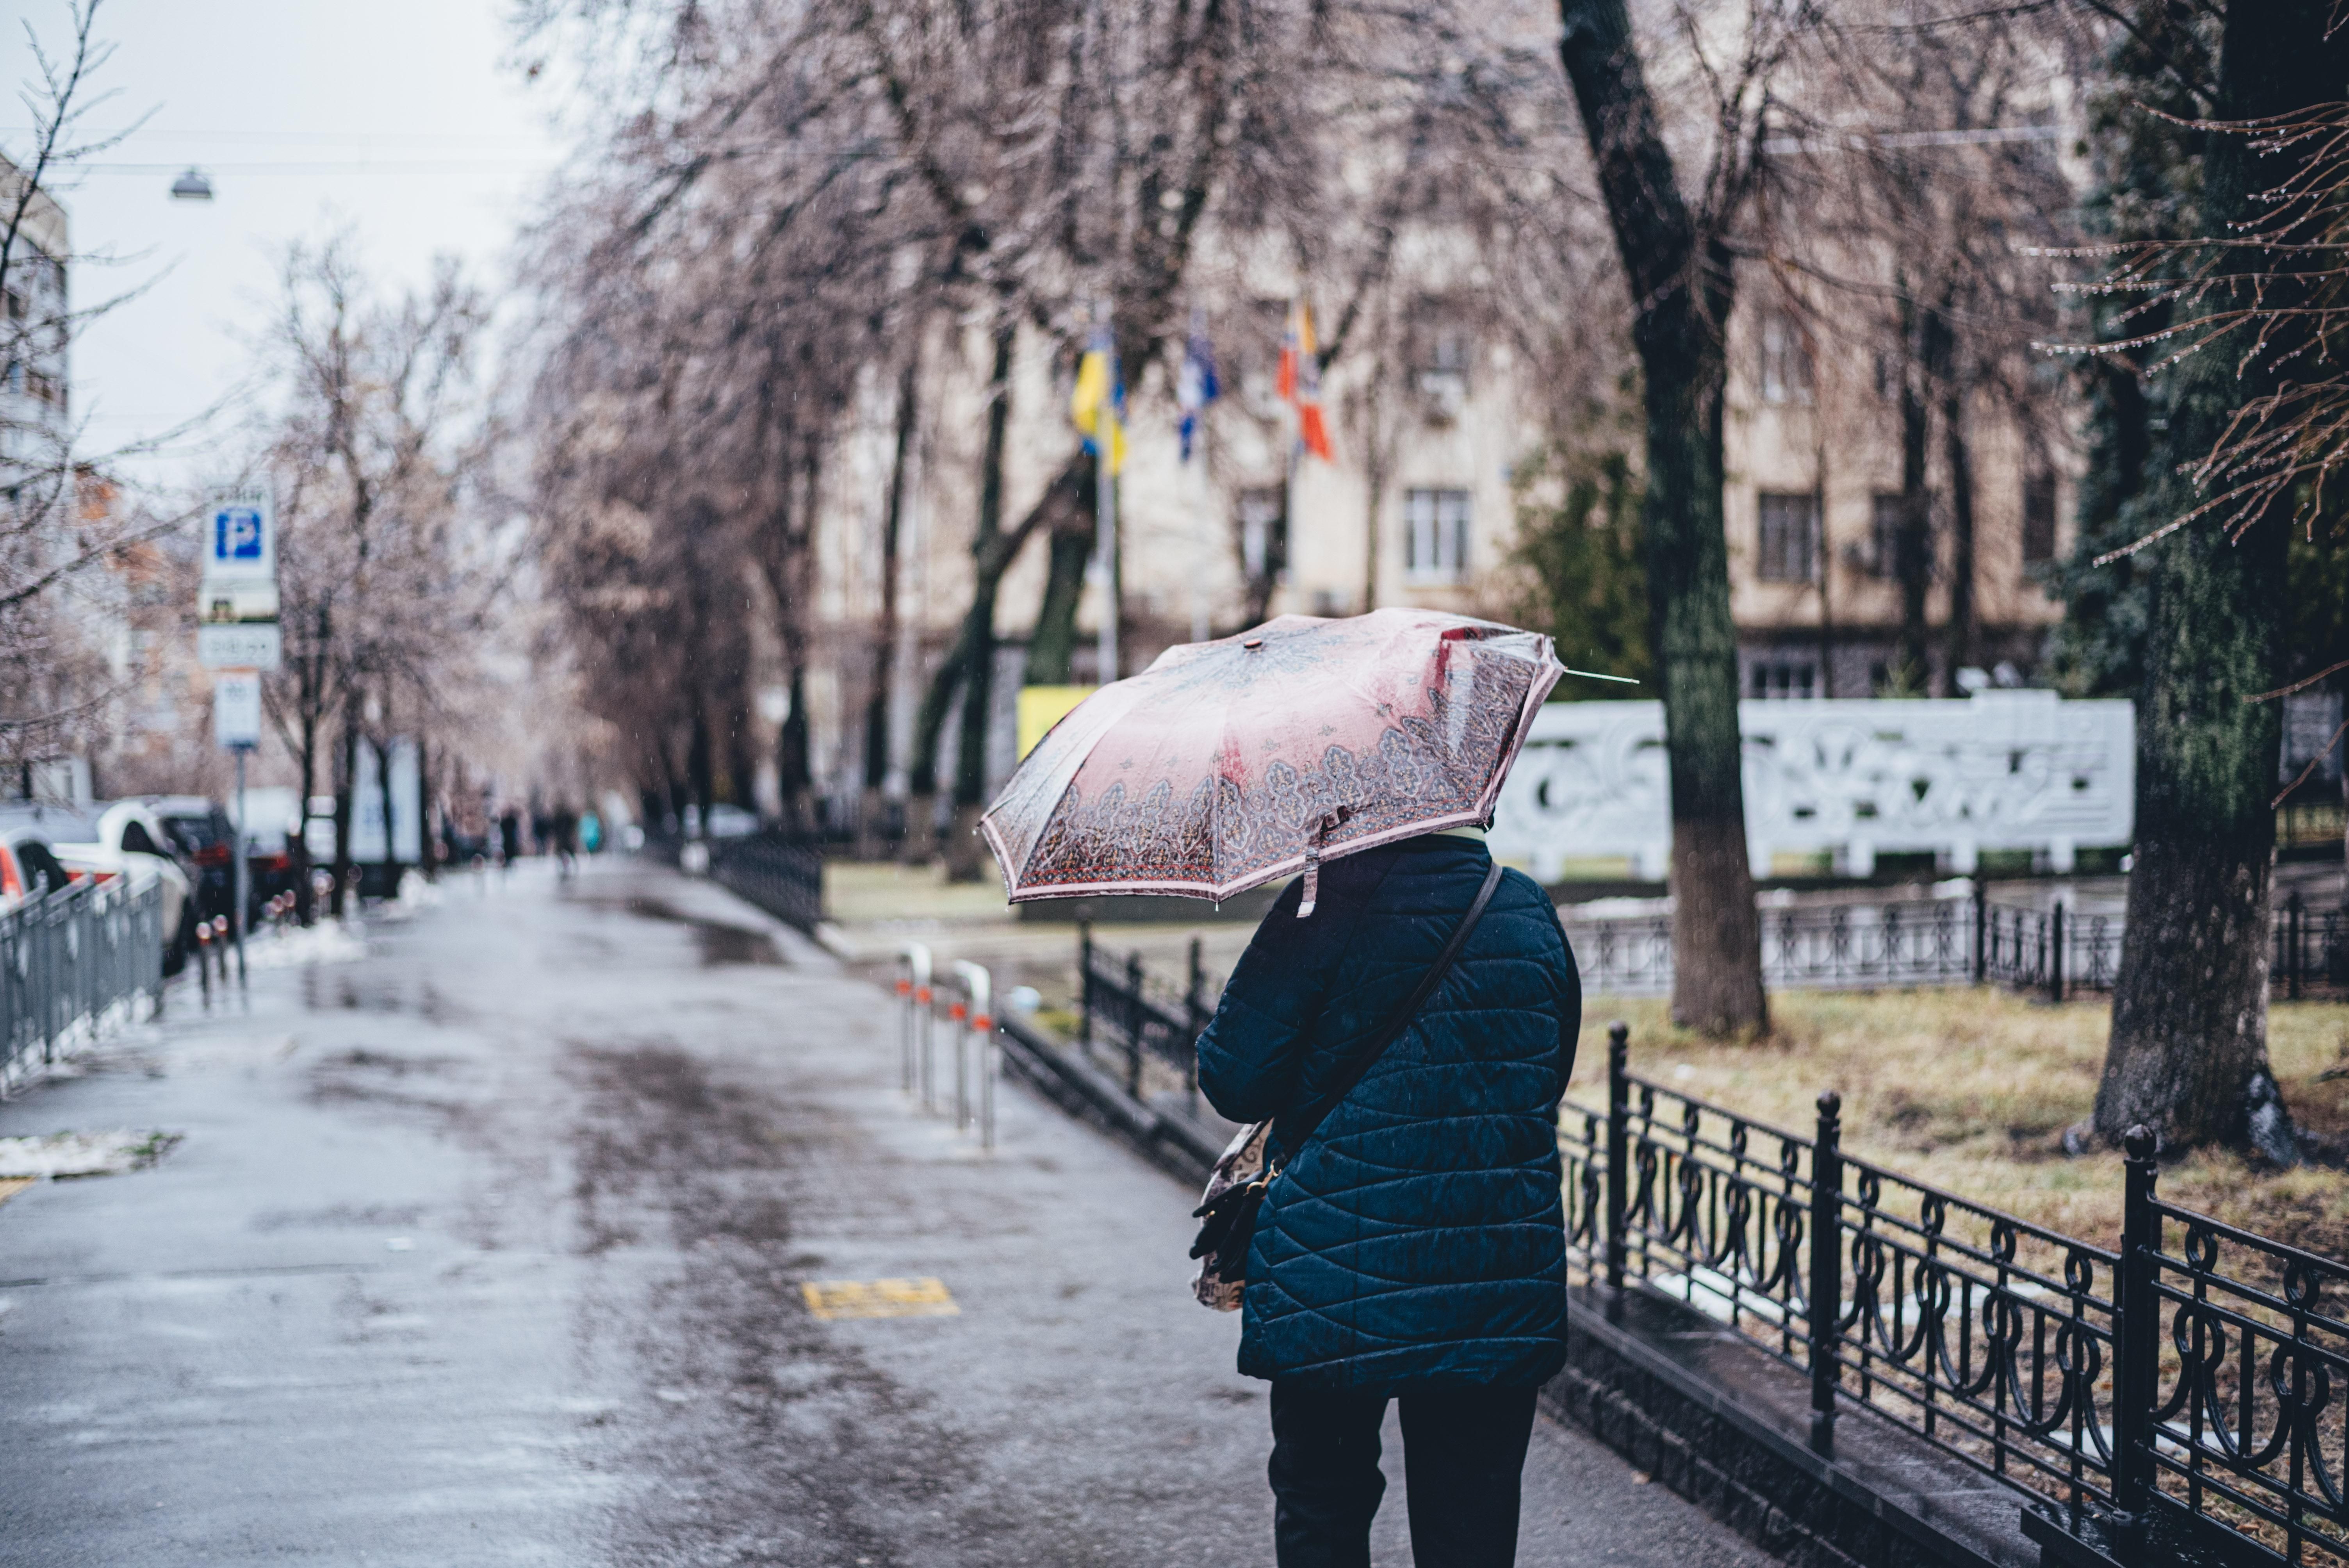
(237, 599)
(241, 535)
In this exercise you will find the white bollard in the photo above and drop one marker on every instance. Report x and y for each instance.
(977, 1041)
(913, 1019)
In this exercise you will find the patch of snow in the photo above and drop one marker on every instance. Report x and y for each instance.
(62, 1154)
(292, 946)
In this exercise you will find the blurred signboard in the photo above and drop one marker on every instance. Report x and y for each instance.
(1042, 706)
(237, 601)
(237, 709)
(1999, 771)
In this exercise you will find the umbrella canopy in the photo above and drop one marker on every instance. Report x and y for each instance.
(1231, 763)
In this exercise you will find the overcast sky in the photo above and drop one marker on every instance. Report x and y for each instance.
(402, 123)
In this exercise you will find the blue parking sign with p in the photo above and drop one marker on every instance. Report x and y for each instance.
(236, 535)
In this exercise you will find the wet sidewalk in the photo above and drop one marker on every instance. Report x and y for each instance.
(490, 1246)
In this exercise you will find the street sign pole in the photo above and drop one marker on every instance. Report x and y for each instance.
(238, 636)
(236, 915)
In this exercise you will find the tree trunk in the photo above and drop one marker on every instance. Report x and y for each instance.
(964, 851)
(346, 789)
(305, 896)
(1681, 287)
(383, 794)
(794, 779)
(2188, 1052)
(1060, 498)
(701, 769)
(1913, 538)
(885, 653)
(1959, 459)
(1051, 651)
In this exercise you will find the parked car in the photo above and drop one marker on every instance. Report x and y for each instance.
(199, 830)
(28, 867)
(125, 839)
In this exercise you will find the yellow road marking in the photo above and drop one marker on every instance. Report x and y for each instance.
(837, 1298)
(12, 1185)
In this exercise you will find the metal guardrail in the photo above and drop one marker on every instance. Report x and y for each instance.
(781, 874)
(71, 957)
(2143, 1399)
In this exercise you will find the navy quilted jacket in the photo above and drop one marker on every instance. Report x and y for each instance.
(1418, 1236)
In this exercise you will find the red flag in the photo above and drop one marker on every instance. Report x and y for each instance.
(1300, 381)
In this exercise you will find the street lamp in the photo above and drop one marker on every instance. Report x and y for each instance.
(191, 187)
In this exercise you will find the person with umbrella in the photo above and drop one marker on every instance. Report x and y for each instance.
(1405, 1018)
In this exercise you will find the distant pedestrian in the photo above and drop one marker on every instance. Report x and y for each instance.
(1413, 1247)
(564, 828)
(509, 837)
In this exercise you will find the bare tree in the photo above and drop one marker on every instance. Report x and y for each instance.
(59, 693)
(1678, 260)
(383, 587)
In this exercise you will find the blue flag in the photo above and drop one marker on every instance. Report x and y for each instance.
(1194, 384)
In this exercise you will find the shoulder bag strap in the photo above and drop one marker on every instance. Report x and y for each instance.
(1401, 1020)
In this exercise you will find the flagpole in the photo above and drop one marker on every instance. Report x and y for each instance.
(1200, 533)
(1105, 510)
(1296, 423)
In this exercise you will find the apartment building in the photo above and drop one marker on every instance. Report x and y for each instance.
(1420, 507)
(33, 337)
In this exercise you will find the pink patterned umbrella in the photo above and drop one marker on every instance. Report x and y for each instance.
(1232, 763)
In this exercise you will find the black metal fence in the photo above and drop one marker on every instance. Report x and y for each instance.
(2157, 1404)
(779, 874)
(1140, 1014)
(1862, 946)
(70, 958)
(2310, 955)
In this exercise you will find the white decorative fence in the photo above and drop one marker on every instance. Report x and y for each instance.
(2000, 771)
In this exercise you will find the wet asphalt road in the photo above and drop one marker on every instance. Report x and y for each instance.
(487, 1248)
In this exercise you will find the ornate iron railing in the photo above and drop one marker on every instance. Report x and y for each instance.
(2138, 1397)
(2237, 1386)
(1900, 943)
(2057, 950)
(2311, 954)
(1985, 1336)
(1141, 1014)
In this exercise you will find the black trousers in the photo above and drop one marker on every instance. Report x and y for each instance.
(1464, 1451)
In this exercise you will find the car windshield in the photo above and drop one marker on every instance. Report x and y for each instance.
(192, 832)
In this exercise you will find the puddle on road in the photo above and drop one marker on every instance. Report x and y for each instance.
(721, 945)
(327, 991)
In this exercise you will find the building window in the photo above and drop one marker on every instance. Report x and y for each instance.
(1884, 535)
(1435, 535)
(2039, 518)
(1264, 535)
(1785, 680)
(1790, 539)
(1441, 347)
(1785, 362)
